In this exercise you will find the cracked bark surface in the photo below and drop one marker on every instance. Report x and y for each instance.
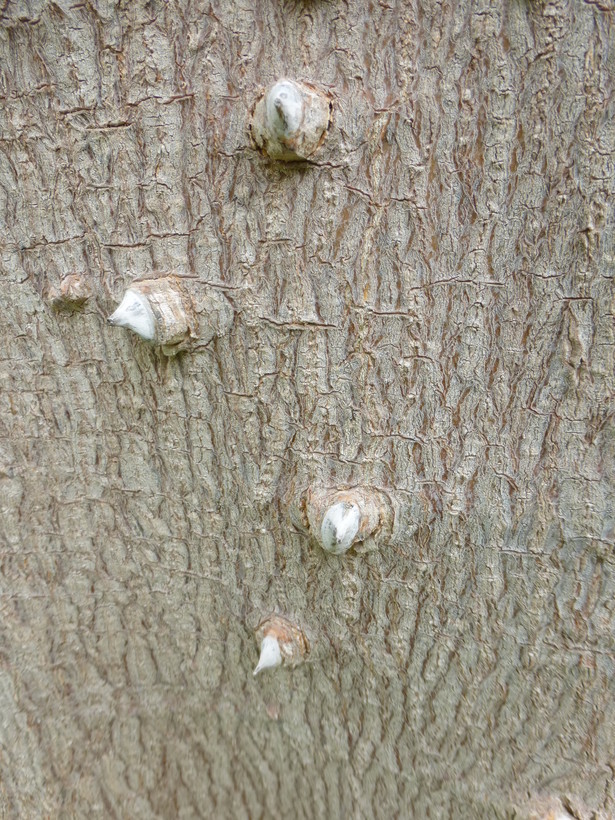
(425, 308)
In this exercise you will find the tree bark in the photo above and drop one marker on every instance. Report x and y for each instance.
(424, 307)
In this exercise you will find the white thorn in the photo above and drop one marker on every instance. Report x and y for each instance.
(270, 654)
(135, 313)
(284, 106)
(340, 527)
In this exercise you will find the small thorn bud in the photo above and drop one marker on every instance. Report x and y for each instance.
(341, 519)
(72, 292)
(281, 642)
(340, 527)
(173, 312)
(270, 654)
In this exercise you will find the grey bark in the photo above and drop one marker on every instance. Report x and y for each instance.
(425, 308)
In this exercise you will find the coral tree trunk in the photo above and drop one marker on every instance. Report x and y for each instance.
(425, 307)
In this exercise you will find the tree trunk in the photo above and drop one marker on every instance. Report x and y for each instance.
(422, 309)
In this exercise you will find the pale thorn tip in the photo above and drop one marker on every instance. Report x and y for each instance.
(284, 106)
(135, 313)
(340, 527)
(270, 654)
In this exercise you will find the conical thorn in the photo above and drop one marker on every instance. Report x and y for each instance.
(270, 654)
(340, 527)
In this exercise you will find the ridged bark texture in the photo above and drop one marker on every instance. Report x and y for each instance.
(425, 308)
